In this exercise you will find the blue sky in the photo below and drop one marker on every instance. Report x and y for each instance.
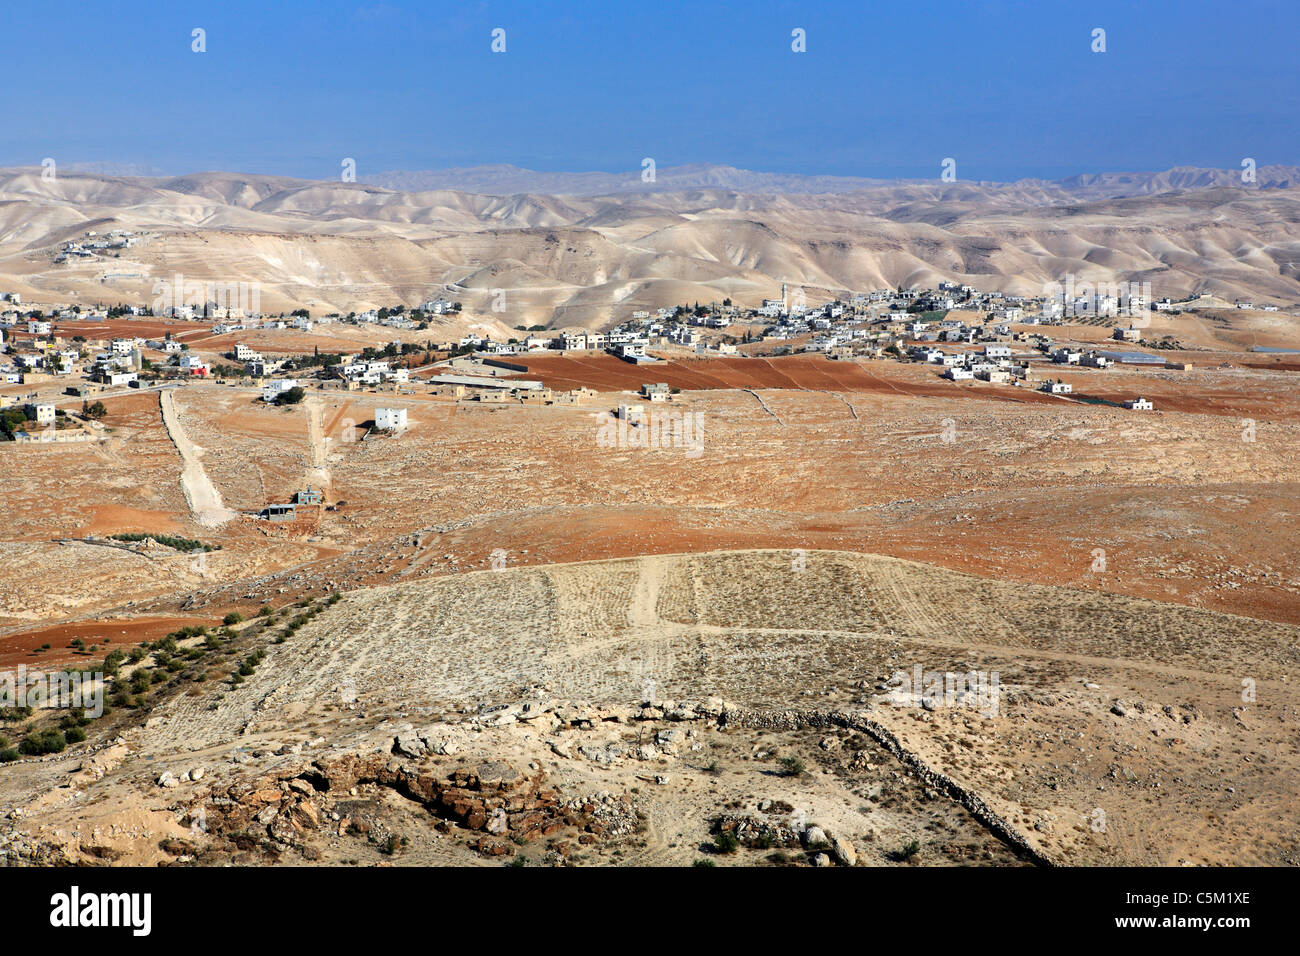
(1007, 88)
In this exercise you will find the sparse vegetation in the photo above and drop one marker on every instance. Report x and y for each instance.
(791, 766)
(168, 540)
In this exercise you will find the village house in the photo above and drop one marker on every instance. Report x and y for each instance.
(632, 414)
(260, 368)
(43, 412)
(193, 365)
(108, 375)
(534, 396)
(274, 389)
(1139, 404)
(657, 392)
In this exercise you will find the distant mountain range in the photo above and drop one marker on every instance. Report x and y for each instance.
(588, 248)
(505, 180)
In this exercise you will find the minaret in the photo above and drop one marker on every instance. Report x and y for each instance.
(785, 299)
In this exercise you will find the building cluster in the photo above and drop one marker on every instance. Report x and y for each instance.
(93, 245)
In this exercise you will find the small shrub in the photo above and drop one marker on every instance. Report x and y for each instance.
(791, 766)
(725, 842)
(908, 851)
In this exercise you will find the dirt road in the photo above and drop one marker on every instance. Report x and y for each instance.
(202, 495)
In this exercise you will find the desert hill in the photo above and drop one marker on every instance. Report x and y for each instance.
(629, 710)
(585, 259)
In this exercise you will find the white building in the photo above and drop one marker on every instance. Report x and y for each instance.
(390, 419)
(272, 390)
(1139, 404)
(632, 414)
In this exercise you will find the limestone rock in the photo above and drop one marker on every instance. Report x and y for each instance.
(843, 851)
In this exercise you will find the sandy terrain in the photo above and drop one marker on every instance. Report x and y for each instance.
(1118, 732)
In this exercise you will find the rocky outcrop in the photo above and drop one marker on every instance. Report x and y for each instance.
(491, 798)
(974, 804)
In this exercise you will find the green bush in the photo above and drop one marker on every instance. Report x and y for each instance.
(908, 851)
(726, 842)
(791, 766)
(43, 742)
(169, 540)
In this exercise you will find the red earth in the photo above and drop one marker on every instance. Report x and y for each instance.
(606, 373)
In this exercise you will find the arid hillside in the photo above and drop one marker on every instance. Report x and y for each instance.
(636, 710)
(589, 259)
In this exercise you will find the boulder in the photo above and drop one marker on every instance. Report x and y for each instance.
(843, 851)
(408, 744)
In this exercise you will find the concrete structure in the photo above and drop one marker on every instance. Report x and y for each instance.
(390, 419)
(471, 381)
(632, 414)
(1139, 404)
(273, 390)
